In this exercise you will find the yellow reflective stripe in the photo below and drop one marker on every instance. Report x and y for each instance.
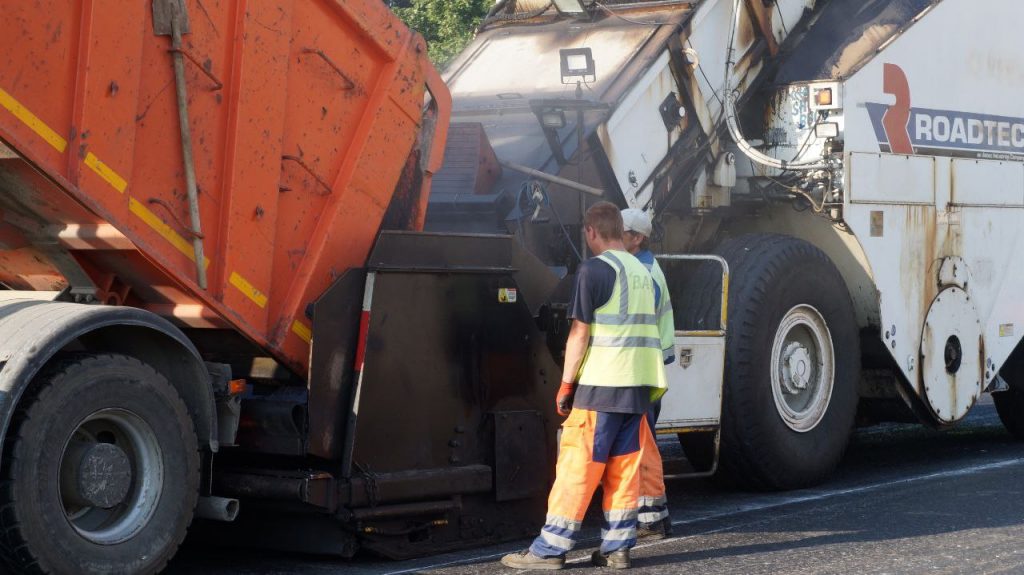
(32, 121)
(701, 333)
(250, 291)
(725, 300)
(154, 221)
(621, 342)
(104, 171)
(300, 329)
(625, 330)
(627, 319)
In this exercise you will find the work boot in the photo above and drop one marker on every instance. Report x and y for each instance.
(660, 529)
(616, 559)
(527, 560)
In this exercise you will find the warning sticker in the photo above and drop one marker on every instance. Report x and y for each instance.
(507, 295)
(1006, 330)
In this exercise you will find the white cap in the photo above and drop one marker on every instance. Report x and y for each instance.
(634, 220)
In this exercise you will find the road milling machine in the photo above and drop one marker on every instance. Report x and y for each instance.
(265, 267)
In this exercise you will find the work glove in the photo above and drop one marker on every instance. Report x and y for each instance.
(563, 401)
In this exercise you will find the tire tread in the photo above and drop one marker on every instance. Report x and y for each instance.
(757, 262)
(15, 550)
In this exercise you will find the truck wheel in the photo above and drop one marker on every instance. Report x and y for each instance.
(792, 360)
(100, 471)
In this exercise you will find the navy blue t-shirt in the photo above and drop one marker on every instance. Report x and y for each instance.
(595, 281)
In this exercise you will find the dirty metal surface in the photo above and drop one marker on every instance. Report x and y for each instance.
(959, 206)
(505, 68)
(332, 364)
(470, 355)
(842, 35)
(518, 471)
(952, 355)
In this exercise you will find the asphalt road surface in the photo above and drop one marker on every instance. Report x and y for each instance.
(905, 500)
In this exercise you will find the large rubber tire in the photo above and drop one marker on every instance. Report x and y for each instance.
(1010, 407)
(77, 404)
(1010, 403)
(773, 277)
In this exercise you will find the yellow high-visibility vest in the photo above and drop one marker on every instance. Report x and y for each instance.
(625, 341)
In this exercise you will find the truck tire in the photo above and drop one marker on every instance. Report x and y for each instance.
(100, 471)
(1010, 403)
(792, 360)
(1010, 407)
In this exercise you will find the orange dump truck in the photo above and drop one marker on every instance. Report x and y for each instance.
(218, 304)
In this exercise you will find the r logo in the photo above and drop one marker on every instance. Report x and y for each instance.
(897, 117)
(902, 129)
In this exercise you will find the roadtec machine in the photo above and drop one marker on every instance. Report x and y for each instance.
(858, 165)
(221, 304)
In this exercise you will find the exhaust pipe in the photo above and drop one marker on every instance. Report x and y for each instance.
(217, 508)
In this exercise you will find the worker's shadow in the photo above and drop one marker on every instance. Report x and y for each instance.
(914, 501)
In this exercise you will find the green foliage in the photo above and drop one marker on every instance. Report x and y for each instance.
(447, 25)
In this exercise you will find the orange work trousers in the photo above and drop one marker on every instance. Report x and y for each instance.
(597, 448)
(653, 502)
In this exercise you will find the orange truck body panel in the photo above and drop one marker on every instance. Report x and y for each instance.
(303, 116)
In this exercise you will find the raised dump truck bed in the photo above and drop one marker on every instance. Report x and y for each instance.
(302, 116)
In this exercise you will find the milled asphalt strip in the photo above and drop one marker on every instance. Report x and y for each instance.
(821, 496)
(750, 508)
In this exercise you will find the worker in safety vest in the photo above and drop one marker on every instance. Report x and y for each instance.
(613, 371)
(655, 522)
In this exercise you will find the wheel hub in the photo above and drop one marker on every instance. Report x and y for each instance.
(802, 364)
(111, 476)
(796, 367)
(103, 475)
(953, 355)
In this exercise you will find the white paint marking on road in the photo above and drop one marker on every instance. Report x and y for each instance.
(750, 508)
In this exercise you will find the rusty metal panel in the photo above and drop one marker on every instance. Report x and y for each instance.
(933, 104)
(952, 355)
